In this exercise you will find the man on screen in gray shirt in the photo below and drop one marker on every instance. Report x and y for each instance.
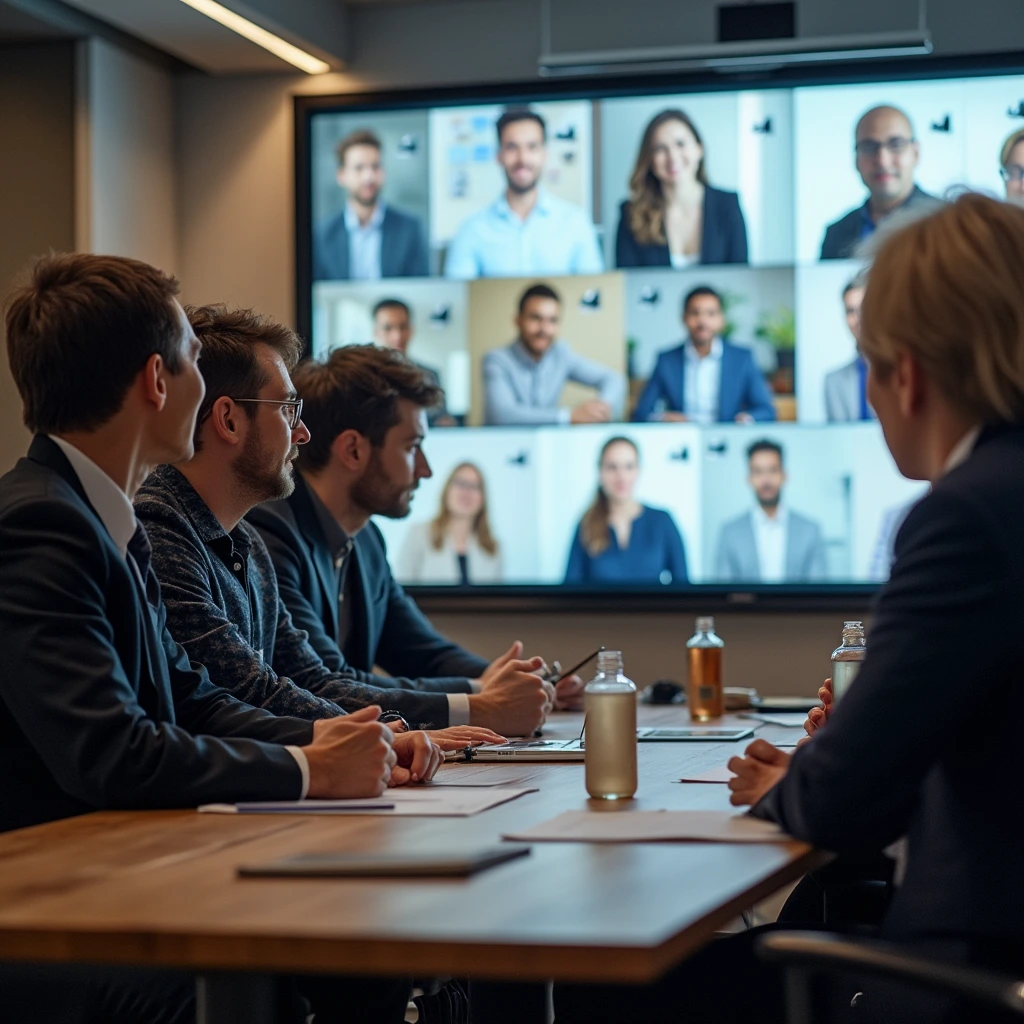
(523, 382)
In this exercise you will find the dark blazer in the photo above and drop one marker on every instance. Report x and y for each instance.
(742, 388)
(387, 628)
(926, 743)
(99, 707)
(844, 235)
(403, 249)
(723, 237)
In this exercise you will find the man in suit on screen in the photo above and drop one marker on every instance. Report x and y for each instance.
(706, 379)
(771, 543)
(846, 398)
(369, 239)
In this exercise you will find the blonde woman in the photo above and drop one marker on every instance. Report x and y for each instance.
(673, 217)
(456, 546)
(619, 540)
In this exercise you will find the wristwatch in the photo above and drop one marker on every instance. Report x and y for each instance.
(395, 716)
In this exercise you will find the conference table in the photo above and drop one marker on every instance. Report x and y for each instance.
(160, 889)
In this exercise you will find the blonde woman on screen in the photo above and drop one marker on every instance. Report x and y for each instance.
(674, 217)
(457, 545)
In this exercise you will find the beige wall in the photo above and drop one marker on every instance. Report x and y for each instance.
(37, 186)
(597, 334)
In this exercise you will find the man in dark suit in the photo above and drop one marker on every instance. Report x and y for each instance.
(369, 239)
(99, 707)
(365, 407)
(886, 154)
(705, 379)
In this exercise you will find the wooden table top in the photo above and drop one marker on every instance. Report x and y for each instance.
(159, 887)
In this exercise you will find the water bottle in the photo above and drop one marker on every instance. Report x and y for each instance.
(610, 731)
(846, 659)
(705, 649)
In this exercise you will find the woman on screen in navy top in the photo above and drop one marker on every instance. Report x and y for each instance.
(619, 540)
(673, 217)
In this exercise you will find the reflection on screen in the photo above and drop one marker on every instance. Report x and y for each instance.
(644, 313)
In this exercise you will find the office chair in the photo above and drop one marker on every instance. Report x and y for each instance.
(804, 955)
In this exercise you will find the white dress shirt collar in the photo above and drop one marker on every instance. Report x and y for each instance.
(716, 350)
(961, 450)
(352, 222)
(541, 206)
(781, 517)
(110, 502)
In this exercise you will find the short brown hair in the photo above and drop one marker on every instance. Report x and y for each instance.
(230, 362)
(946, 290)
(358, 387)
(363, 137)
(1009, 146)
(81, 331)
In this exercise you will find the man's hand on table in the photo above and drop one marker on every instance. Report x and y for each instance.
(418, 758)
(760, 768)
(513, 699)
(817, 717)
(569, 694)
(458, 737)
(350, 756)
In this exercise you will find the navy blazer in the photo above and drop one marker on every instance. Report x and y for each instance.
(926, 742)
(742, 389)
(387, 629)
(403, 249)
(723, 237)
(99, 707)
(843, 236)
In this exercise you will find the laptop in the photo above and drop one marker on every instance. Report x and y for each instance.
(573, 750)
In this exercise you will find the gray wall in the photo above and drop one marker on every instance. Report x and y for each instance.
(37, 185)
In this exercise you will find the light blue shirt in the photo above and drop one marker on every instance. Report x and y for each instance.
(364, 243)
(702, 382)
(556, 238)
(522, 391)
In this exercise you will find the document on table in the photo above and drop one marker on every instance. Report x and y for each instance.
(788, 719)
(651, 827)
(425, 802)
(715, 775)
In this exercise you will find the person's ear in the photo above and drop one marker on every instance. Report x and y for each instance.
(225, 421)
(351, 450)
(153, 380)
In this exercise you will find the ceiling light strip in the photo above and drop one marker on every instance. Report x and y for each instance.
(260, 36)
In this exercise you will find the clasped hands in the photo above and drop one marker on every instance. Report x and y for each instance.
(764, 765)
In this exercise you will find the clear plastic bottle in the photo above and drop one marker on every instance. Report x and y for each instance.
(847, 658)
(705, 650)
(610, 737)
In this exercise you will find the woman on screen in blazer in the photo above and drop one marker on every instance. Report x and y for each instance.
(673, 216)
(618, 539)
(457, 545)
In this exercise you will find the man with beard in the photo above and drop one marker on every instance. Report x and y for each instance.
(523, 381)
(770, 543)
(366, 406)
(368, 239)
(218, 581)
(527, 230)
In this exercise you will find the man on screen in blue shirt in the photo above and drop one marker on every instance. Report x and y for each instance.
(523, 381)
(526, 231)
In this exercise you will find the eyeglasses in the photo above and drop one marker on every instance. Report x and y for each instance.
(294, 406)
(871, 148)
(1014, 174)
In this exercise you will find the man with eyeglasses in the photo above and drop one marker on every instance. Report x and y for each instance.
(1011, 166)
(217, 579)
(886, 158)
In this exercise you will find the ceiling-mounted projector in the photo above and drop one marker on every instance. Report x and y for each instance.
(751, 37)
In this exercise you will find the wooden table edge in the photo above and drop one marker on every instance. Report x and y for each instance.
(384, 956)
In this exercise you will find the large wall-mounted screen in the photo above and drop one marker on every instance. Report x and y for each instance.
(643, 309)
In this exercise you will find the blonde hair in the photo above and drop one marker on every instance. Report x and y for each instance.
(594, 526)
(946, 290)
(1009, 146)
(646, 199)
(481, 526)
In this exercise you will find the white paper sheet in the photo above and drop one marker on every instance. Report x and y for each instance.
(651, 827)
(425, 802)
(788, 719)
(715, 775)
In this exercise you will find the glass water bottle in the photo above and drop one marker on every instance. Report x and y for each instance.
(847, 658)
(705, 649)
(610, 736)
